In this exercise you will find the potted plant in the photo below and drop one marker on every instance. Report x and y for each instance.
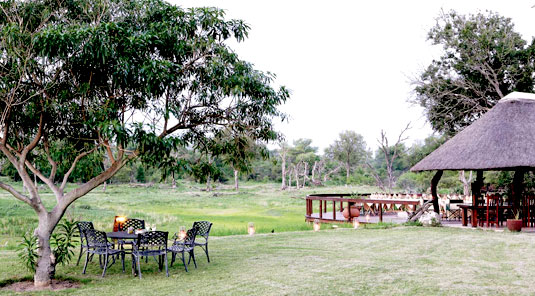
(355, 211)
(515, 224)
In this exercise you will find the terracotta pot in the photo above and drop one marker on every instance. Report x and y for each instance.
(355, 212)
(514, 225)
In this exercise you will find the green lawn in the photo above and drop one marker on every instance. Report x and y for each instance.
(401, 260)
(293, 260)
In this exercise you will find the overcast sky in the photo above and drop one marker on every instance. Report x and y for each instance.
(349, 64)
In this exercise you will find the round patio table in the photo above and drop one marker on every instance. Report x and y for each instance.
(121, 235)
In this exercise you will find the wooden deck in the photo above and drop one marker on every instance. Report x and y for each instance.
(330, 207)
(387, 217)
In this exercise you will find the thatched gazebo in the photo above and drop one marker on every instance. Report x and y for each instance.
(502, 139)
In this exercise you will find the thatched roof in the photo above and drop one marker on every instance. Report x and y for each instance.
(502, 139)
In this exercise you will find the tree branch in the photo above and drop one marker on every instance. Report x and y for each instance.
(73, 165)
(34, 142)
(15, 193)
(78, 192)
(45, 180)
(50, 160)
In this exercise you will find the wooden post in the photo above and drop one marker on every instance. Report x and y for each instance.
(434, 183)
(380, 212)
(348, 211)
(321, 209)
(476, 188)
(518, 187)
(334, 210)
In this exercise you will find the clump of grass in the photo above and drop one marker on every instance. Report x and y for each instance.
(412, 223)
(380, 225)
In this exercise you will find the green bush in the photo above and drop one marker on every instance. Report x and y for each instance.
(61, 241)
(27, 251)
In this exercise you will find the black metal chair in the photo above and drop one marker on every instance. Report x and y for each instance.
(151, 243)
(82, 227)
(97, 243)
(186, 245)
(203, 230)
(134, 223)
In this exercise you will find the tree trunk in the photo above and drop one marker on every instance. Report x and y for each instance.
(283, 183)
(466, 183)
(313, 172)
(296, 177)
(208, 183)
(347, 173)
(46, 262)
(434, 183)
(173, 184)
(305, 175)
(104, 186)
(290, 179)
(236, 180)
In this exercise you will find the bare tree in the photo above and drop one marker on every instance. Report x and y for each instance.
(391, 153)
(283, 152)
(466, 183)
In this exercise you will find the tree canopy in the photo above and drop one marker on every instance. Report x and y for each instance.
(483, 60)
(129, 79)
(349, 149)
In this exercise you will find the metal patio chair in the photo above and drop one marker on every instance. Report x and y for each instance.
(203, 231)
(97, 243)
(82, 227)
(151, 243)
(186, 245)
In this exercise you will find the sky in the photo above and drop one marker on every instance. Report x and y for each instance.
(349, 64)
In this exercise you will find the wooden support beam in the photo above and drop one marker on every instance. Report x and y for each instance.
(380, 212)
(334, 210)
(476, 188)
(434, 183)
(518, 188)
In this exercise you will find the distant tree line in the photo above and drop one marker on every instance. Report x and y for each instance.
(348, 160)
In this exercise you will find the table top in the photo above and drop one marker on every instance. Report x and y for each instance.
(121, 235)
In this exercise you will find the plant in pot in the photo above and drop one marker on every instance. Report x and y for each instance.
(515, 224)
(355, 211)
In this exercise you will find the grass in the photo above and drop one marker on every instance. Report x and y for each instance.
(376, 260)
(264, 204)
(393, 261)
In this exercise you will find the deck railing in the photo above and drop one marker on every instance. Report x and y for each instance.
(349, 200)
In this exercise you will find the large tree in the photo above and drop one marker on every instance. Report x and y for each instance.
(349, 149)
(483, 60)
(129, 78)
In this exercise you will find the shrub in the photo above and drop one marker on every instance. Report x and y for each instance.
(27, 251)
(61, 242)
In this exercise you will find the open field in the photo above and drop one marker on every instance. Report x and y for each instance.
(291, 261)
(167, 208)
